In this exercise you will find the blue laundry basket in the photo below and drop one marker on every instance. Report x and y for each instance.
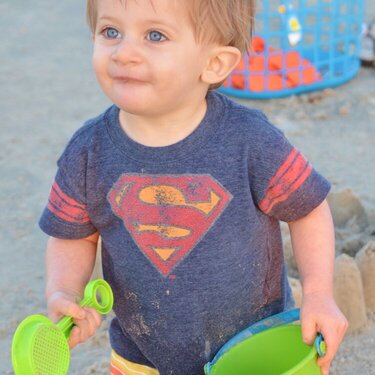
(299, 46)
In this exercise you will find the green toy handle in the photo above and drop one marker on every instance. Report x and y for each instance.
(94, 289)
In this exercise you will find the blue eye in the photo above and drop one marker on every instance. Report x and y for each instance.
(111, 33)
(156, 36)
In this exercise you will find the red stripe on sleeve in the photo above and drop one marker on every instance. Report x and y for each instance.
(284, 168)
(290, 176)
(65, 207)
(66, 198)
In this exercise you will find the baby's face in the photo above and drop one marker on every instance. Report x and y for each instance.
(146, 57)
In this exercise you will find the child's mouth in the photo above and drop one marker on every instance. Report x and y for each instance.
(128, 79)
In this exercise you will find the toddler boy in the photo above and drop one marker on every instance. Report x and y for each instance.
(186, 189)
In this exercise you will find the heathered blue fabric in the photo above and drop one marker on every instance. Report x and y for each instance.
(231, 277)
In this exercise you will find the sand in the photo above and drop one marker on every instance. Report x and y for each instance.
(48, 90)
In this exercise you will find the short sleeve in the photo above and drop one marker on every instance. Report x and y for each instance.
(65, 215)
(284, 183)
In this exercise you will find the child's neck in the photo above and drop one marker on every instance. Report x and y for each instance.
(165, 129)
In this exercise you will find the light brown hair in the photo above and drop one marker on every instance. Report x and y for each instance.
(227, 22)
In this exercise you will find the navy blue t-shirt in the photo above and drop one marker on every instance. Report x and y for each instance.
(191, 243)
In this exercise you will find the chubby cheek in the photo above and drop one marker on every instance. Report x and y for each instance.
(97, 62)
(170, 75)
(184, 72)
(100, 68)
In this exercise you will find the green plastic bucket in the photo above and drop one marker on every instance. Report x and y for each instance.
(276, 351)
(269, 347)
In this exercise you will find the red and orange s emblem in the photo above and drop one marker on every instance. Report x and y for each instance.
(167, 215)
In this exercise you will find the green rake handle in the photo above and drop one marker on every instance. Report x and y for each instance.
(98, 295)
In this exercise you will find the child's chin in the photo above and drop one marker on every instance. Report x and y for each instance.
(131, 104)
(131, 99)
(134, 108)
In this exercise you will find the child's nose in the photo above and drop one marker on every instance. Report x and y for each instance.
(128, 51)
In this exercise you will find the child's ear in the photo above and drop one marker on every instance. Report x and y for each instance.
(221, 62)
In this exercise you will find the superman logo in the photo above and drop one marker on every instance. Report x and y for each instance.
(167, 215)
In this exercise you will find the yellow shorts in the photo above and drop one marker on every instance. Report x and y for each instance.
(120, 366)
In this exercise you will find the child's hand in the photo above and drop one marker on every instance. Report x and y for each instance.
(87, 320)
(319, 313)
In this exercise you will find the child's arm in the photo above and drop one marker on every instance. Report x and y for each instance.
(313, 242)
(69, 266)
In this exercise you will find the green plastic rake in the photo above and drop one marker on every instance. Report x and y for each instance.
(40, 347)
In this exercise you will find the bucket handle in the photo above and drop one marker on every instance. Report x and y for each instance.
(276, 320)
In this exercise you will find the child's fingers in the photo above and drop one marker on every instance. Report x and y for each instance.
(308, 331)
(333, 337)
(81, 332)
(75, 337)
(94, 317)
(86, 319)
(85, 328)
(64, 307)
(89, 325)
(325, 361)
(324, 369)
